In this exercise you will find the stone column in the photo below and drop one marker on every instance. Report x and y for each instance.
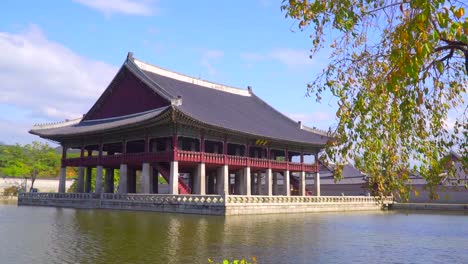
(302, 184)
(62, 179)
(287, 183)
(275, 183)
(98, 186)
(146, 178)
(155, 188)
(123, 179)
(317, 183)
(259, 183)
(252, 183)
(174, 178)
(209, 183)
(237, 183)
(80, 181)
(89, 175)
(109, 181)
(200, 179)
(247, 181)
(131, 180)
(224, 180)
(268, 182)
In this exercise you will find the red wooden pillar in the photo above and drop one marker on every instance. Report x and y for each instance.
(202, 147)
(247, 154)
(64, 156)
(225, 146)
(82, 152)
(124, 146)
(302, 161)
(317, 166)
(147, 144)
(101, 147)
(175, 143)
(268, 155)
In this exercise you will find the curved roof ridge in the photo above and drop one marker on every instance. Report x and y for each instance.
(136, 69)
(292, 121)
(142, 65)
(315, 130)
(57, 124)
(124, 116)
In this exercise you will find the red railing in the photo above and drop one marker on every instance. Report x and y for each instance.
(237, 160)
(276, 164)
(214, 158)
(295, 166)
(258, 163)
(188, 156)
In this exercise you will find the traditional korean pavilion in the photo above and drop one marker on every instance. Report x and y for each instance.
(202, 137)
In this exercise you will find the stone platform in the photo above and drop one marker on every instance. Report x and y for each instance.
(204, 204)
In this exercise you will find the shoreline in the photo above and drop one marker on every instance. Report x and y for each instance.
(429, 206)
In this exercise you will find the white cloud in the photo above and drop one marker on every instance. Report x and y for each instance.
(12, 132)
(208, 59)
(126, 7)
(46, 79)
(292, 58)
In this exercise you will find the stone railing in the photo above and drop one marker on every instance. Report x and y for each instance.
(150, 198)
(255, 199)
(29, 195)
(207, 199)
(166, 198)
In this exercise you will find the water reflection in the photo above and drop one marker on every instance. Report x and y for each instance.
(52, 235)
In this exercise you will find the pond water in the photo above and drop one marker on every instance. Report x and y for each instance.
(54, 235)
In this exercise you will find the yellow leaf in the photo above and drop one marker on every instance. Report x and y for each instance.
(460, 12)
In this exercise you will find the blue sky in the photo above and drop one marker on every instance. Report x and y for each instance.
(56, 57)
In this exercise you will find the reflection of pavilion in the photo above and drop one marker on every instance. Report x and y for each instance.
(154, 120)
(219, 148)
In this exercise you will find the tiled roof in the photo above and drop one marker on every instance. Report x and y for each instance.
(213, 104)
(90, 126)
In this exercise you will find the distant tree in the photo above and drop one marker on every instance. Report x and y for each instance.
(396, 68)
(32, 160)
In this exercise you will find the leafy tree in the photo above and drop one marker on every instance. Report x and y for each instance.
(396, 68)
(33, 160)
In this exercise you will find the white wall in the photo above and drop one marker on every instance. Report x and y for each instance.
(43, 185)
